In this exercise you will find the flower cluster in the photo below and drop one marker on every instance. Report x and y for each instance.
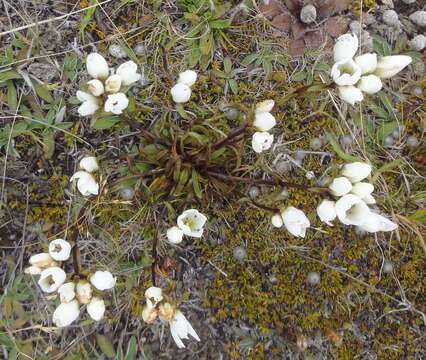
(181, 92)
(180, 327)
(189, 223)
(106, 89)
(71, 294)
(294, 220)
(86, 183)
(263, 122)
(362, 74)
(354, 196)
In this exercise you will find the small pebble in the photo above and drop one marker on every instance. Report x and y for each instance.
(127, 193)
(389, 141)
(314, 278)
(346, 141)
(315, 144)
(232, 114)
(419, 18)
(284, 194)
(254, 192)
(139, 49)
(388, 3)
(368, 19)
(355, 27)
(239, 253)
(299, 155)
(397, 133)
(387, 267)
(308, 14)
(412, 142)
(273, 279)
(408, 1)
(418, 42)
(418, 91)
(116, 51)
(283, 167)
(310, 175)
(390, 17)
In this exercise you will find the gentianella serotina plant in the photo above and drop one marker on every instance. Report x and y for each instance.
(86, 182)
(71, 293)
(363, 74)
(107, 90)
(155, 307)
(352, 195)
(181, 91)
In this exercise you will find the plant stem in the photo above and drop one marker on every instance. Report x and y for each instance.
(233, 134)
(74, 238)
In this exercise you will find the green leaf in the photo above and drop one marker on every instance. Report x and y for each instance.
(249, 59)
(206, 44)
(12, 98)
(385, 129)
(233, 85)
(87, 17)
(386, 102)
(48, 144)
(131, 349)
(9, 75)
(381, 46)
(220, 24)
(196, 184)
(42, 91)
(105, 122)
(227, 65)
(419, 215)
(338, 150)
(105, 345)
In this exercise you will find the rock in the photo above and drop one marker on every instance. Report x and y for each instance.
(232, 114)
(139, 49)
(239, 253)
(315, 144)
(390, 17)
(254, 192)
(299, 155)
(418, 42)
(388, 141)
(368, 19)
(310, 175)
(388, 3)
(127, 193)
(419, 18)
(367, 42)
(314, 278)
(308, 14)
(43, 71)
(283, 167)
(408, 1)
(116, 51)
(412, 142)
(387, 267)
(346, 141)
(355, 27)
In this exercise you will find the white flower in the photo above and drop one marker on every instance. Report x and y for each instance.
(295, 221)
(265, 106)
(95, 87)
(181, 93)
(367, 62)
(128, 73)
(116, 103)
(174, 235)
(369, 199)
(264, 121)
(66, 292)
(96, 308)
(180, 328)
(277, 220)
(376, 222)
(97, 67)
(153, 296)
(89, 164)
(340, 186)
(362, 189)
(66, 313)
(345, 72)
(102, 280)
(83, 292)
(51, 278)
(326, 211)
(113, 84)
(42, 260)
(370, 84)
(188, 78)
(261, 141)
(389, 66)
(356, 171)
(89, 103)
(345, 47)
(191, 222)
(86, 183)
(350, 94)
(60, 249)
(351, 210)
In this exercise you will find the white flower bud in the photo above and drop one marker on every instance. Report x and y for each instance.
(277, 220)
(181, 93)
(89, 105)
(86, 183)
(95, 87)
(174, 235)
(153, 296)
(264, 121)
(128, 73)
(188, 77)
(103, 280)
(97, 67)
(89, 164)
(389, 66)
(265, 106)
(375, 222)
(113, 84)
(370, 84)
(367, 62)
(261, 141)
(362, 189)
(326, 211)
(295, 221)
(350, 94)
(345, 47)
(83, 292)
(51, 279)
(42, 260)
(66, 313)
(116, 103)
(66, 292)
(356, 171)
(96, 308)
(340, 186)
